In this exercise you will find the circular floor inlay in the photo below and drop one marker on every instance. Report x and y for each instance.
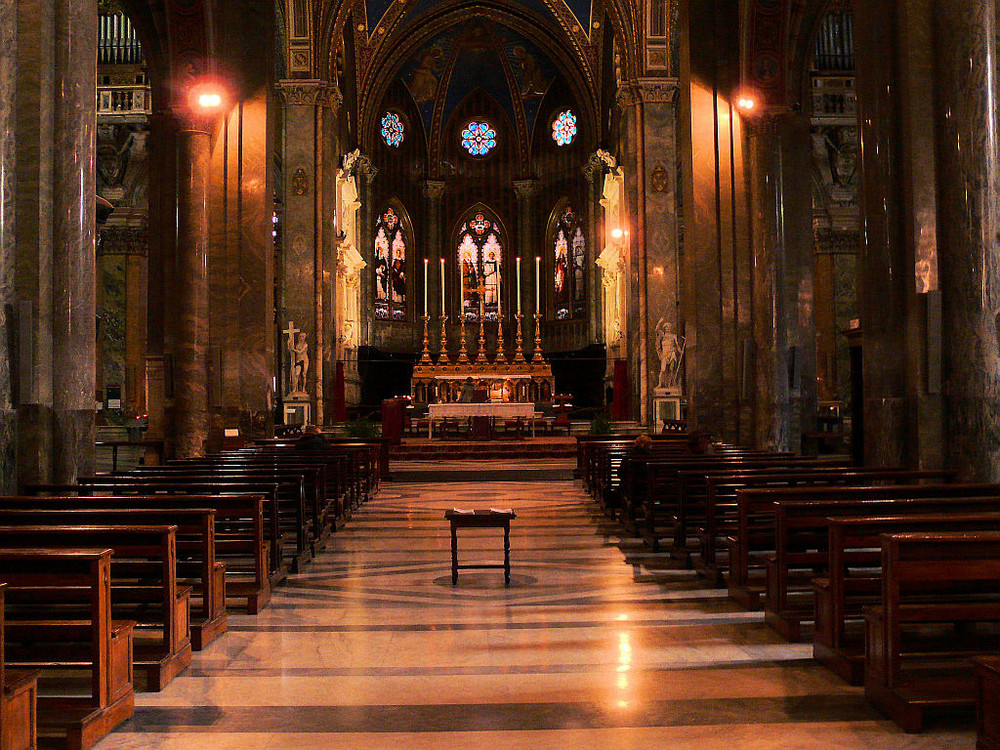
(485, 580)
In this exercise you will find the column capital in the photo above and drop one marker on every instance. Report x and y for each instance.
(309, 92)
(525, 189)
(598, 161)
(434, 189)
(659, 90)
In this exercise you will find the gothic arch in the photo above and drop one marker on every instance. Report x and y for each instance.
(455, 261)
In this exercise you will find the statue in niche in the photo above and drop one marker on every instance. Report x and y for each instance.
(298, 348)
(670, 350)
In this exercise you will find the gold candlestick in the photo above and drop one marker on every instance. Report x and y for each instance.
(501, 354)
(463, 355)
(538, 356)
(443, 343)
(425, 358)
(519, 353)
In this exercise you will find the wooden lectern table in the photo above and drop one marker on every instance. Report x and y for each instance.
(480, 519)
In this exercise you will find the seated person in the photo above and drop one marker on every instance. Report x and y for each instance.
(312, 439)
(700, 443)
(468, 389)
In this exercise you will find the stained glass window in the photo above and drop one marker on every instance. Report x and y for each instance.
(564, 128)
(479, 138)
(480, 260)
(569, 263)
(393, 130)
(390, 267)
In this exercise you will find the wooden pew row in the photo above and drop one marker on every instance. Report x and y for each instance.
(332, 496)
(324, 475)
(84, 657)
(362, 462)
(309, 481)
(377, 448)
(854, 578)
(241, 534)
(754, 540)
(801, 552)
(656, 519)
(197, 567)
(692, 497)
(722, 518)
(285, 509)
(144, 588)
(940, 607)
(18, 700)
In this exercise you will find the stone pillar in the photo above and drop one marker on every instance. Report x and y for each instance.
(433, 193)
(303, 255)
(593, 173)
(784, 349)
(191, 292)
(902, 417)
(74, 230)
(661, 264)
(8, 415)
(966, 47)
(527, 229)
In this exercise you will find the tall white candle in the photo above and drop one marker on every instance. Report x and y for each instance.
(519, 286)
(426, 261)
(538, 285)
(443, 308)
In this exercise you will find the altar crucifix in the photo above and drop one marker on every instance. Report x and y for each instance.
(481, 293)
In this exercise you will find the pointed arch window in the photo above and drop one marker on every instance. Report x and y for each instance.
(390, 267)
(569, 263)
(480, 267)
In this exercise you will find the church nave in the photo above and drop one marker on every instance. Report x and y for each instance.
(597, 644)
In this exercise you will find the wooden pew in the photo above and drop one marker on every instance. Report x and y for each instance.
(286, 511)
(143, 588)
(18, 700)
(801, 552)
(721, 516)
(196, 563)
(940, 607)
(754, 539)
(987, 702)
(242, 538)
(658, 516)
(58, 620)
(854, 578)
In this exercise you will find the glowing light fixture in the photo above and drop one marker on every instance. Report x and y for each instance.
(746, 103)
(209, 100)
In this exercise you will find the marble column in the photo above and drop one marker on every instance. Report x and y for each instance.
(902, 416)
(433, 193)
(191, 291)
(8, 415)
(969, 220)
(74, 229)
(593, 174)
(784, 374)
(526, 190)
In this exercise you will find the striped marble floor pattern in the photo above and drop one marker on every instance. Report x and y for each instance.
(596, 645)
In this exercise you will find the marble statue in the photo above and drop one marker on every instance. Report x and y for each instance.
(670, 350)
(298, 348)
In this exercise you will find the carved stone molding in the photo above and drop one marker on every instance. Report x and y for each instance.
(657, 90)
(434, 189)
(310, 92)
(359, 165)
(626, 96)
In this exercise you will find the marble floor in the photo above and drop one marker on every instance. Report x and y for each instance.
(597, 644)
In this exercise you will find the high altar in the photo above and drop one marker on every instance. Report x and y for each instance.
(512, 379)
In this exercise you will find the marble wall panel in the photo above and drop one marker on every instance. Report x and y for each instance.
(8, 245)
(112, 324)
